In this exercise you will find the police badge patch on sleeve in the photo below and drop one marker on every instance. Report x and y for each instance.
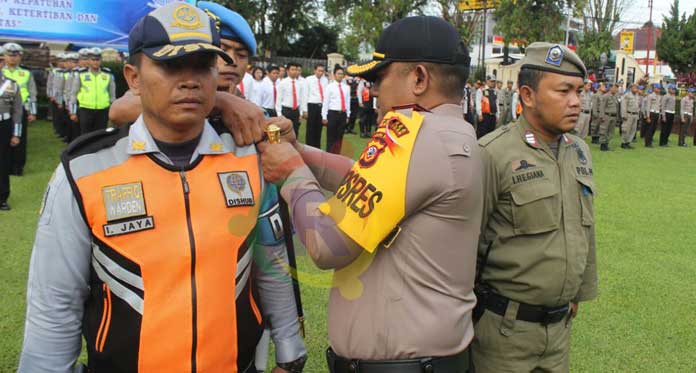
(236, 188)
(125, 209)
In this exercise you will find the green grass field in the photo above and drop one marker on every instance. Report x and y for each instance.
(643, 320)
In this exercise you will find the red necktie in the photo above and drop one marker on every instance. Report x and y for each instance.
(343, 98)
(321, 90)
(241, 87)
(275, 93)
(294, 96)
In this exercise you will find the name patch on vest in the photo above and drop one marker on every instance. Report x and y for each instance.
(129, 226)
(236, 189)
(528, 176)
(125, 209)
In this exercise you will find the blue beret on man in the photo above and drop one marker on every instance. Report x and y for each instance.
(232, 25)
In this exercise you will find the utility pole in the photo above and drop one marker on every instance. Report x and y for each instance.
(650, 33)
(570, 12)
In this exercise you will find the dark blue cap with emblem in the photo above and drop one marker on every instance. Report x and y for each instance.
(232, 25)
(175, 30)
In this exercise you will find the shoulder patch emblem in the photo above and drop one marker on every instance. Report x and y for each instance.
(236, 188)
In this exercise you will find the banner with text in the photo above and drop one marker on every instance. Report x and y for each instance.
(104, 23)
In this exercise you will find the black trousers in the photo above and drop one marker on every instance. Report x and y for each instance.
(666, 128)
(6, 128)
(354, 113)
(92, 120)
(684, 129)
(55, 120)
(487, 126)
(368, 118)
(294, 116)
(334, 133)
(73, 128)
(314, 126)
(650, 128)
(272, 113)
(18, 154)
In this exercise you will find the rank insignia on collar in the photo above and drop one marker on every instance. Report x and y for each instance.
(125, 209)
(138, 146)
(236, 189)
(567, 140)
(531, 139)
(216, 147)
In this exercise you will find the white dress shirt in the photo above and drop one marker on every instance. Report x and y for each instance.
(314, 96)
(332, 99)
(255, 92)
(266, 98)
(247, 85)
(285, 95)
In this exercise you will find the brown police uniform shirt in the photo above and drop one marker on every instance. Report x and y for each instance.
(415, 298)
(538, 217)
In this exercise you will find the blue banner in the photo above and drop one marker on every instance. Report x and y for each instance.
(104, 23)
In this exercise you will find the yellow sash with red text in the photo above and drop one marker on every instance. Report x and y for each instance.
(371, 200)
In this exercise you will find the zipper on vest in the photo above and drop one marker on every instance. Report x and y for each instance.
(192, 245)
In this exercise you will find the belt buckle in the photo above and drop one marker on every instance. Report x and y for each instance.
(553, 316)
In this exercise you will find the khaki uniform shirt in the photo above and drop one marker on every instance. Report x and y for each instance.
(630, 105)
(538, 220)
(595, 103)
(609, 105)
(415, 298)
(586, 101)
(654, 103)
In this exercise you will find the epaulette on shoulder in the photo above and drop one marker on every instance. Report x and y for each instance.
(106, 70)
(93, 142)
(23, 67)
(489, 138)
(80, 69)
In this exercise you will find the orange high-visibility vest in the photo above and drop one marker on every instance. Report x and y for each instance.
(485, 105)
(366, 94)
(518, 109)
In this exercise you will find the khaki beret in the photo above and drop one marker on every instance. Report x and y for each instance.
(553, 58)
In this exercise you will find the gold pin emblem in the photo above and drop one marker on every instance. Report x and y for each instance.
(137, 146)
(216, 147)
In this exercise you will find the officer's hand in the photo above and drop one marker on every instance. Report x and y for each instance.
(480, 118)
(278, 161)
(243, 118)
(325, 122)
(73, 118)
(305, 115)
(574, 309)
(31, 118)
(14, 141)
(60, 106)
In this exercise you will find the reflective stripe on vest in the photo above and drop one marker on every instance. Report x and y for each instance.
(170, 262)
(94, 90)
(21, 76)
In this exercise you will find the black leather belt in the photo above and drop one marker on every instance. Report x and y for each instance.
(458, 363)
(586, 111)
(611, 115)
(526, 312)
(636, 113)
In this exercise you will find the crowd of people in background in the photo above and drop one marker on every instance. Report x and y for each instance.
(326, 98)
(638, 110)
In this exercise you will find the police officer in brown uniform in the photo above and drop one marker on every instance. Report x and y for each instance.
(537, 246)
(401, 229)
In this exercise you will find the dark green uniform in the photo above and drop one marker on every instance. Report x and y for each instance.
(537, 244)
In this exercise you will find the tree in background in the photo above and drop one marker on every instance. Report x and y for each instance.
(600, 18)
(313, 42)
(466, 22)
(363, 20)
(677, 44)
(519, 21)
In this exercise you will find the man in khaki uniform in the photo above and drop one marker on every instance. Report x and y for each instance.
(401, 229)
(608, 113)
(630, 108)
(596, 118)
(537, 247)
(583, 126)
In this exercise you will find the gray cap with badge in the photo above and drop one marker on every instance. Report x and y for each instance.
(553, 58)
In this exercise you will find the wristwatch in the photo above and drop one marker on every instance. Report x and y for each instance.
(295, 366)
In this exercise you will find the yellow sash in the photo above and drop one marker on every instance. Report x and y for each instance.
(371, 200)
